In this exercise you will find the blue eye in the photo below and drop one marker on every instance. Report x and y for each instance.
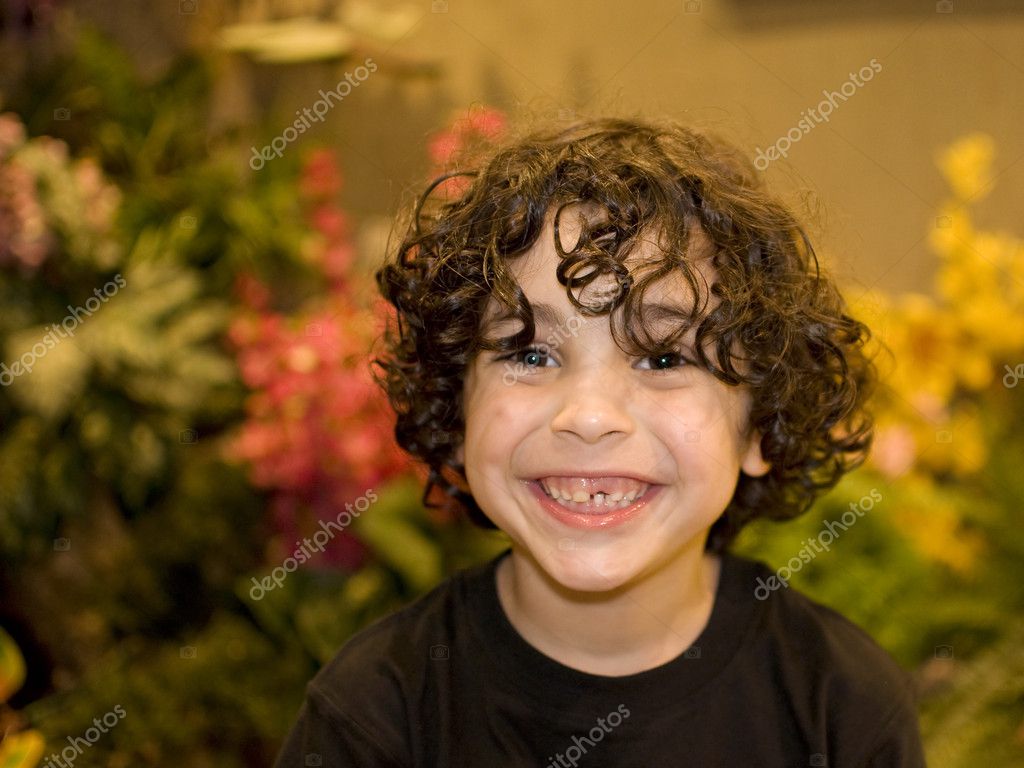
(666, 361)
(531, 357)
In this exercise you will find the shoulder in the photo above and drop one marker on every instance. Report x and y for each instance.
(834, 648)
(862, 693)
(385, 663)
(357, 707)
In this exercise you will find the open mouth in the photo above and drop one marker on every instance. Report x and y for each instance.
(619, 494)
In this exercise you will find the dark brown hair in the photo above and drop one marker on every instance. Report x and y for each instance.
(778, 316)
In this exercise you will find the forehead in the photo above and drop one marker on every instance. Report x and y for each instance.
(664, 300)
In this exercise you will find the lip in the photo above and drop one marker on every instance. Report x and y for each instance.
(601, 520)
(597, 475)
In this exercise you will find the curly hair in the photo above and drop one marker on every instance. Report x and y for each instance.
(780, 326)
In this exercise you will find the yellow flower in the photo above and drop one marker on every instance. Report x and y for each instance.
(1015, 275)
(952, 231)
(974, 369)
(971, 267)
(924, 340)
(954, 445)
(931, 523)
(22, 750)
(968, 439)
(995, 328)
(967, 166)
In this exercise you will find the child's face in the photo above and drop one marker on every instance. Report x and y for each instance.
(589, 409)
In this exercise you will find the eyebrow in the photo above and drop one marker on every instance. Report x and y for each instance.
(543, 314)
(665, 312)
(548, 315)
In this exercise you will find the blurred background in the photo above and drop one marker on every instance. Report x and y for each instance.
(200, 496)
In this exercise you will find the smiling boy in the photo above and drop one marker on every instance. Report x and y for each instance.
(617, 348)
(589, 419)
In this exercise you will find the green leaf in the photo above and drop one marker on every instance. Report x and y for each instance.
(12, 666)
(21, 750)
(388, 527)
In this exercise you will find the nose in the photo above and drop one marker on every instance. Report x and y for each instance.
(592, 404)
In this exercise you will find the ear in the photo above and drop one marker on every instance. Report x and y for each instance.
(753, 462)
(460, 454)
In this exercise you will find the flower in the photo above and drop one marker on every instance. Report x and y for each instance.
(12, 133)
(967, 166)
(321, 179)
(894, 449)
(940, 412)
(318, 432)
(52, 205)
(477, 125)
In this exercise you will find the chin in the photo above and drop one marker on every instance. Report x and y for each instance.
(581, 571)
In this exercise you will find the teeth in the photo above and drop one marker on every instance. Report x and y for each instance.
(615, 500)
(598, 502)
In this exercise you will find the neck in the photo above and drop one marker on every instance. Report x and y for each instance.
(635, 627)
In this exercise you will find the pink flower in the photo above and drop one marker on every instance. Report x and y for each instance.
(330, 222)
(338, 260)
(894, 450)
(252, 291)
(489, 123)
(318, 431)
(12, 133)
(443, 146)
(25, 238)
(320, 175)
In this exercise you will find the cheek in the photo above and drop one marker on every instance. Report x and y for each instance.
(495, 420)
(491, 404)
(703, 429)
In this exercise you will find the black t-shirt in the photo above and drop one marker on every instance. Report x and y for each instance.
(448, 681)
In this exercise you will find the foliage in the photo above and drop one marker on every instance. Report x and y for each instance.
(210, 404)
(317, 432)
(213, 407)
(21, 749)
(933, 570)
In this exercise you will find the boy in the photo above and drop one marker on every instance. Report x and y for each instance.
(617, 348)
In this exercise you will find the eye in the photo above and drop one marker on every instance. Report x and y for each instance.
(530, 357)
(665, 361)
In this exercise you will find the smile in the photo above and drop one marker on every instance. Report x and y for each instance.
(581, 499)
(599, 510)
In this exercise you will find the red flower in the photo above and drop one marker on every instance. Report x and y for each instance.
(321, 178)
